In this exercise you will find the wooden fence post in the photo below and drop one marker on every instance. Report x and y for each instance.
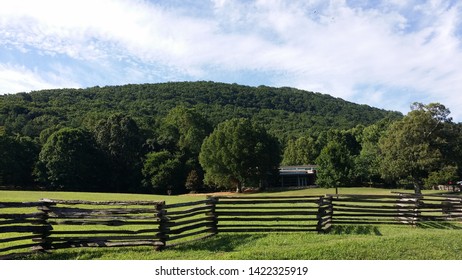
(330, 210)
(407, 209)
(417, 204)
(163, 225)
(43, 244)
(446, 208)
(213, 201)
(321, 214)
(451, 208)
(325, 214)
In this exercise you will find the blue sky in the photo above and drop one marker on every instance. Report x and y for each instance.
(386, 54)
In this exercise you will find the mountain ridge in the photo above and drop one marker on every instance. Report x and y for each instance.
(285, 112)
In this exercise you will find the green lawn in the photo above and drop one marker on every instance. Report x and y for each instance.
(36, 195)
(355, 243)
(433, 242)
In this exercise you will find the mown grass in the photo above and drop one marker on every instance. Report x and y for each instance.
(431, 241)
(31, 196)
(36, 195)
(375, 243)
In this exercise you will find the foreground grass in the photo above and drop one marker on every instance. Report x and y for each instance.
(428, 242)
(347, 243)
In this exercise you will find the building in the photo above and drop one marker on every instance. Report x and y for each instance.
(297, 176)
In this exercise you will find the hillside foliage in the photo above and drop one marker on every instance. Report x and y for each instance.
(150, 138)
(284, 112)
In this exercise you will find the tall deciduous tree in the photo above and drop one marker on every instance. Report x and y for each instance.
(69, 160)
(120, 139)
(367, 163)
(162, 171)
(181, 133)
(186, 128)
(18, 156)
(300, 151)
(239, 153)
(421, 143)
(335, 165)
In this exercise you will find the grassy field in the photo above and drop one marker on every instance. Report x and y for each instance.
(342, 243)
(36, 195)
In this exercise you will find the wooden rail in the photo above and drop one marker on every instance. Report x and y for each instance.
(56, 224)
(402, 208)
(113, 224)
(271, 214)
(18, 230)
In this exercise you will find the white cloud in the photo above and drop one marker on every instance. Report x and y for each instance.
(15, 78)
(357, 52)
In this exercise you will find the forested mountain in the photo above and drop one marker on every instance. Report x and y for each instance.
(178, 137)
(284, 112)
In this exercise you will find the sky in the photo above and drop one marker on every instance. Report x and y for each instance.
(386, 54)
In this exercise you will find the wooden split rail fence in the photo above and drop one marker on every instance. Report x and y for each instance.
(398, 209)
(20, 223)
(56, 224)
(272, 213)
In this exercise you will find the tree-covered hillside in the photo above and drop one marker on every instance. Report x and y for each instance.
(177, 137)
(284, 112)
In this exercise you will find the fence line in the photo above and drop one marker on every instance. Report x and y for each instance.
(19, 229)
(399, 209)
(56, 224)
(60, 224)
(267, 214)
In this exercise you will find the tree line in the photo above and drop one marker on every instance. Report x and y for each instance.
(115, 156)
(421, 150)
(180, 137)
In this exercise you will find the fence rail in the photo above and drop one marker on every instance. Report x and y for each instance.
(18, 230)
(402, 208)
(57, 224)
(267, 214)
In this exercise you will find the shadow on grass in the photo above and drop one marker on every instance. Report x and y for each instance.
(361, 229)
(439, 225)
(223, 243)
(63, 255)
(218, 243)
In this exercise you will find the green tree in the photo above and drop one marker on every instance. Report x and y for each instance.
(182, 132)
(162, 171)
(300, 151)
(193, 181)
(186, 129)
(239, 153)
(69, 160)
(47, 132)
(441, 177)
(421, 143)
(18, 156)
(348, 138)
(119, 138)
(367, 163)
(335, 165)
